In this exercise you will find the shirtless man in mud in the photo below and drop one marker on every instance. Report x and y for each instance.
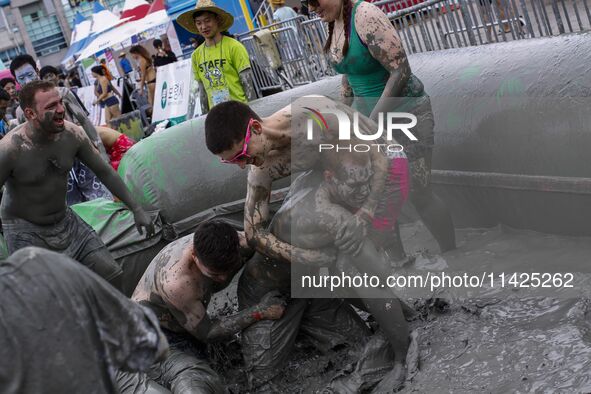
(178, 286)
(35, 159)
(83, 184)
(276, 147)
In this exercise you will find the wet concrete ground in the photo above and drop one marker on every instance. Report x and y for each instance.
(502, 341)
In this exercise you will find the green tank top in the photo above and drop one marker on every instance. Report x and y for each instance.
(366, 75)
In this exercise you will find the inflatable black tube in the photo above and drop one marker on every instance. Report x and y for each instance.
(511, 127)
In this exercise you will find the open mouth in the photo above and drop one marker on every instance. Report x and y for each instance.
(59, 121)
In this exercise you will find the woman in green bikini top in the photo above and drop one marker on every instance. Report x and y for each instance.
(364, 47)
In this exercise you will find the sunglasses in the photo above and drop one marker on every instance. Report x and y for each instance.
(242, 154)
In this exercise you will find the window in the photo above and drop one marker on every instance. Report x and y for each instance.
(45, 34)
(9, 54)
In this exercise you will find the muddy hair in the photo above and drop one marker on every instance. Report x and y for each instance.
(26, 96)
(217, 246)
(347, 11)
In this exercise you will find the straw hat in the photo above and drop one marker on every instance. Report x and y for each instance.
(277, 2)
(122, 54)
(186, 18)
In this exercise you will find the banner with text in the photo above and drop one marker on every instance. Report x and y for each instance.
(173, 91)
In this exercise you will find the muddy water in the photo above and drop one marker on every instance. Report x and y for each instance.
(502, 341)
(505, 341)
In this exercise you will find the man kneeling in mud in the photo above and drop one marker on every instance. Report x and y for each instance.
(279, 145)
(310, 218)
(178, 285)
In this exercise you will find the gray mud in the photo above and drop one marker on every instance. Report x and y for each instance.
(504, 341)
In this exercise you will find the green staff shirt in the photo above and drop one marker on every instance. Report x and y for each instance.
(218, 66)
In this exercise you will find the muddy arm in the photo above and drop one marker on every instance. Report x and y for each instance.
(383, 43)
(247, 81)
(5, 161)
(203, 98)
(256, 219)
(89, 155)
(192, 315)
(79, 114)
(346, 91)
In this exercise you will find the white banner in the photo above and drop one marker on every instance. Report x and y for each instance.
(97, 114)
(173, 40)
(173, 91)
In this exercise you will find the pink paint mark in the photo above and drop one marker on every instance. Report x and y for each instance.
(398, 176)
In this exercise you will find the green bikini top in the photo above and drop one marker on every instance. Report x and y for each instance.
(365, 74)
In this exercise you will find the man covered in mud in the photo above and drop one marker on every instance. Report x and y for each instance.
(277, 146)
(65, 330)
(83, 184)
(178, 286)
(35, 159)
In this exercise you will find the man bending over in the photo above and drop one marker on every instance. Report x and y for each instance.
(279, 145)
(178, 286)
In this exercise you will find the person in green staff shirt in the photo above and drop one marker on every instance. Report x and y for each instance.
(221, 64)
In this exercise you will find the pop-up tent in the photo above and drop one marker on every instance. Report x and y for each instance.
(134, 10)
(156, 16)
(85, 30)
(80, 37)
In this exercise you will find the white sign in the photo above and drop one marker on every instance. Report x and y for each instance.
(173, 91)
(96, 113)
(173, 40)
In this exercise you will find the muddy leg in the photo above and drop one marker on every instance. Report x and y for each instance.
(386, 309)
(185, 373)
(102, 262)
(431, 209)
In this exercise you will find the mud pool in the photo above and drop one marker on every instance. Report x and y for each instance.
(501, 341)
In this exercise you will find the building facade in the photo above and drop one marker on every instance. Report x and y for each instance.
(41, 28)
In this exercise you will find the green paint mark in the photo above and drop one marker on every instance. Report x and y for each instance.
(469, 73)
(508, 88)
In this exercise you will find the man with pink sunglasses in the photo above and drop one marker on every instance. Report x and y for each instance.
(290, 141)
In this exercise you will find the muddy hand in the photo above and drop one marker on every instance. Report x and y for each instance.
(351, 235)
(142, 220)
(76, 114)
(272, 305)
(393, 381)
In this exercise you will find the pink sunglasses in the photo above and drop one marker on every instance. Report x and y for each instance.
(242, 154)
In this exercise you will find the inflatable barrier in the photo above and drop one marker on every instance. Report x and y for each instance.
(502, 155)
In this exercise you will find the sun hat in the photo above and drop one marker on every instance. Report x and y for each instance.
(188, 23)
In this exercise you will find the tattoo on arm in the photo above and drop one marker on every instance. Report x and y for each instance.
(203, 101)
(384, 44)
(346, 91)
(227, 326)
(192, 315)
(247, 81)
